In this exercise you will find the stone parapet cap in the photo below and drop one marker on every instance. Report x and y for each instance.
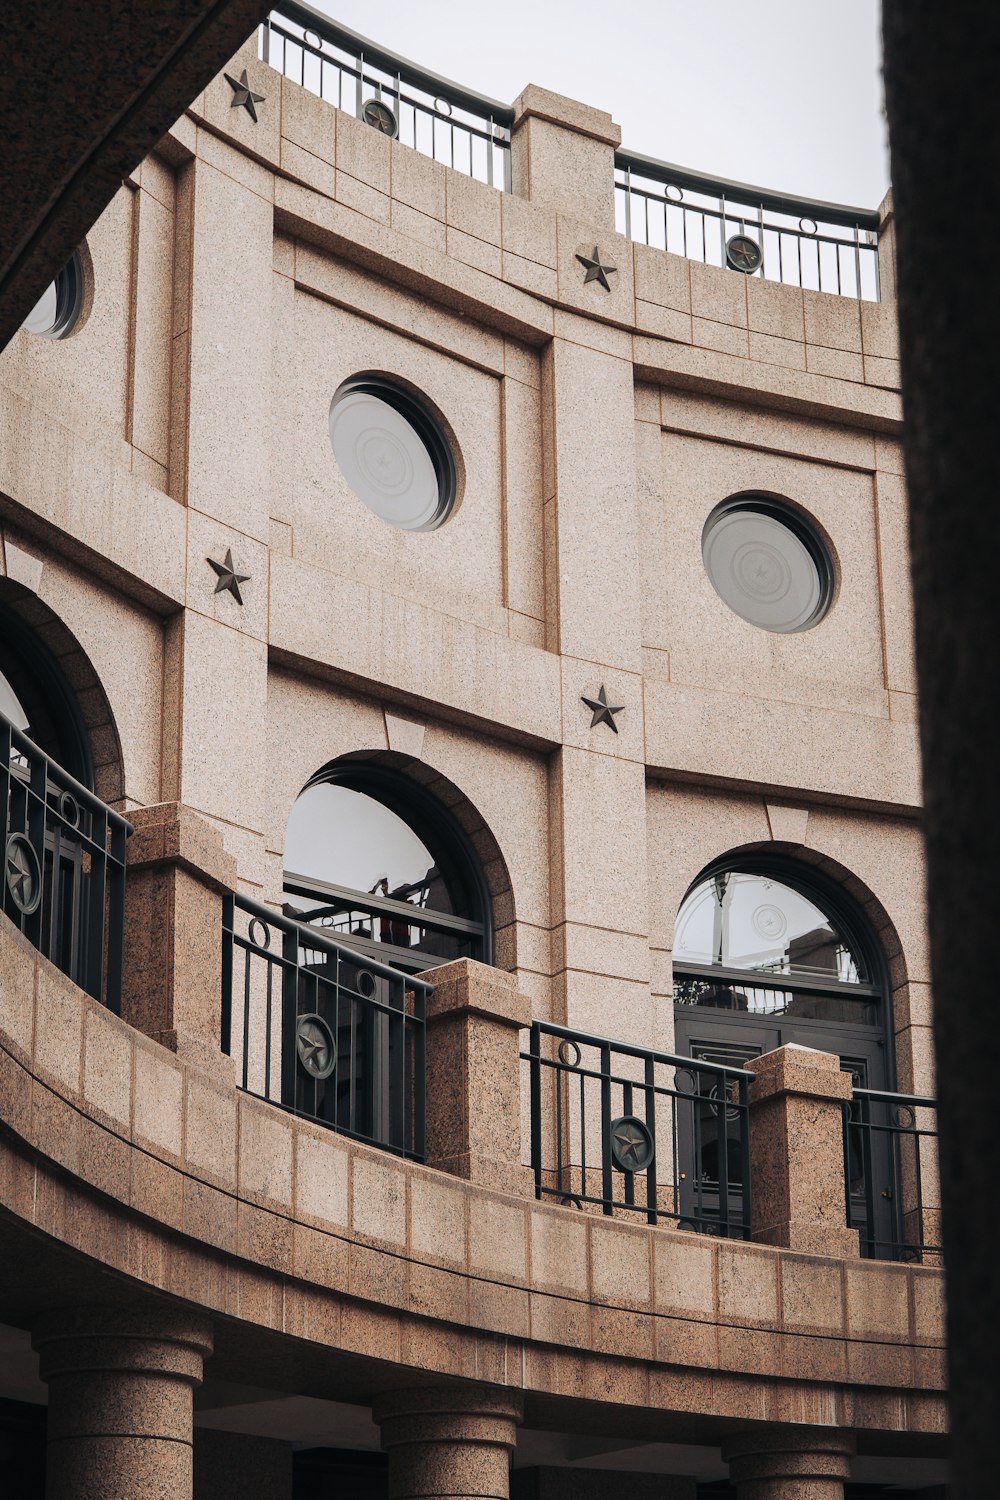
(168, 833)
(798, 1070)
(886, 211)
(466, 987)
(542, 104)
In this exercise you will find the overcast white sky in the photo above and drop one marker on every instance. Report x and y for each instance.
(783, 94)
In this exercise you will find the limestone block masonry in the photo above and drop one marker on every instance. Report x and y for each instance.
(192, 1262)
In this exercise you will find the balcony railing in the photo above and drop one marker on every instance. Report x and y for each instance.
(64, 867)
(826, 247)
(890, 1172)
(454, 125)
(321, 1029)
(622, 1130)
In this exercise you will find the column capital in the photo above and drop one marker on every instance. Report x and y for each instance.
(789, 1453)
(446, 1441)
(160, 1341)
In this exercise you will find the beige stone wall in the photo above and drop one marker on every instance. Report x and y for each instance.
(237, 280)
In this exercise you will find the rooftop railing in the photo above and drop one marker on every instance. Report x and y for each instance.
(441, 119)
(321, 1029)
(64, 867)
(826, 247)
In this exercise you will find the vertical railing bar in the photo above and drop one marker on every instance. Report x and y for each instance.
(607, 1190)
(535, 1082)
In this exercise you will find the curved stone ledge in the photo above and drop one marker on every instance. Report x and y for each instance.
(114, 1148)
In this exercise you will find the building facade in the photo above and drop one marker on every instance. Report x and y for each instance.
(460, 704)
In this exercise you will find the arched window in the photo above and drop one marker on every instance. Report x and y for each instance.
(37, 699)
(376, 861)
(767, 953)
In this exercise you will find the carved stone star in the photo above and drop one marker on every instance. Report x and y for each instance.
(597, 270)
(243, 94)
(228, 579)
(603, 711)
(632, 1145)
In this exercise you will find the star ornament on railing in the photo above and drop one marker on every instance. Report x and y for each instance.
(631, 1144)
(243, 95)
(597, 270)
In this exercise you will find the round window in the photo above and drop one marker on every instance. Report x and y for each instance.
(393, 454)
(767, 564)
(55, 314)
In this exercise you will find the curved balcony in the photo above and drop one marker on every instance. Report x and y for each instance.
(827, 247)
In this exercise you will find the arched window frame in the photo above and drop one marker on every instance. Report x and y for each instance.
(433, 823)
(50, 685)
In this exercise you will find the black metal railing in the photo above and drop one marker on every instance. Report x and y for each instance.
(890, 1169)
(64, 867)
(323, 1030)
(441, 119)
(624, 1129)
(826, 247)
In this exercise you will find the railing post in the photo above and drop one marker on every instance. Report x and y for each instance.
(562, 156)
(796, 1152)
(474, 1016)
(887, 249)
(178, 876)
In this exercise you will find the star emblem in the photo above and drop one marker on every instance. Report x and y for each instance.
(243, 94)
(597, 270)
(603, 711)
(228, 579)
(631, 1145)
(22, 874)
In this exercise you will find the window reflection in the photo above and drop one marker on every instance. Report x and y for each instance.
(736, 920)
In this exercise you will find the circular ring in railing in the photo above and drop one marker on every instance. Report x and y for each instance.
(903, 1117)
(690, 1085)
(569, 1202)
(443, 107)
(258, 925)
(377, 114)
(632, 1148)
(315, 1046)
(674, 193)
(69, 809)
(312, 39)
(366, 984)
(724, 1091)
(804, 222)
(23, 874)
(569, 1053)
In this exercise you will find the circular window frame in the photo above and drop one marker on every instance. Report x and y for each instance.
(806, 531)
(430, 427)
(71, 284)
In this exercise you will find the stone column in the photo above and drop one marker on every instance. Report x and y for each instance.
(789, 1464)
(120, 1400)
(178, 873)
(449, 1443)
(562, 155)
(797, 1151)
(474, 1020)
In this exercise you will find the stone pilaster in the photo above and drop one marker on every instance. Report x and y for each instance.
(562, 155)
(120, 1383)
(789, 1464)
(449, 1443)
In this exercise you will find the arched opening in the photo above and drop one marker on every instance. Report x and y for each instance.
(768, 951)
(379, 863)
(64, 848)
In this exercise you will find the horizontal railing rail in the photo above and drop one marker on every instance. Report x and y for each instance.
(624, 1129)
(64, 867)
(890, 1170)
(401, 929)
(323, 1030)
(826, 247)
(439, 118)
